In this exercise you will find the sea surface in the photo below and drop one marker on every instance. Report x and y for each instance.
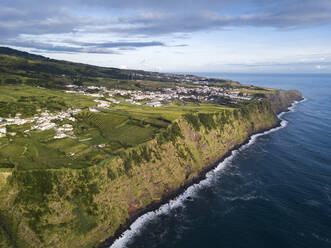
(273, 192)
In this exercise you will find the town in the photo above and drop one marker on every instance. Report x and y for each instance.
(104, 98)
(159, 97)
(42, 121)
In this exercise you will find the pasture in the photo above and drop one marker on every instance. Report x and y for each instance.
(95, 137)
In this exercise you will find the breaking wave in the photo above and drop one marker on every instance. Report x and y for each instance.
(137, 225)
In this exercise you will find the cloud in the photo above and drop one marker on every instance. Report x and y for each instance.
(274, 63)
(59, 48)
(157, 17)
(125, 44)
(14, 22)
(283, 17)
(320, 67)
(146, 19)
(84, 47)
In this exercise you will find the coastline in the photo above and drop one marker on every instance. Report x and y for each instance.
(202, 175)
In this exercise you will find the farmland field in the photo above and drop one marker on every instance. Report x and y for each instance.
(96, 136)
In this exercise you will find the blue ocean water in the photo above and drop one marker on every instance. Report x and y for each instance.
(275, 192)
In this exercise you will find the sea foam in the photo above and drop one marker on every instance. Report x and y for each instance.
(137, 225)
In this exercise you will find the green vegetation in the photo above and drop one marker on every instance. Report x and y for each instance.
(27, 100)
(77, 191)
(18, 67)
(121, 127)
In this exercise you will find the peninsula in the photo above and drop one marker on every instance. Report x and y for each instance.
(85, 150)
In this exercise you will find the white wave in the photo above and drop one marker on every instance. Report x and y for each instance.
(248, 197)
(136, 226)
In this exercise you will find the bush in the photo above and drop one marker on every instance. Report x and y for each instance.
(193, 120)
(170, 134)
(111, 174)
(34, 186)
(207, 120)
(145, 153)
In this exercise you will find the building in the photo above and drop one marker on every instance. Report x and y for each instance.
(94, 110)
(60, 135)
(154, 104)
(3, 132)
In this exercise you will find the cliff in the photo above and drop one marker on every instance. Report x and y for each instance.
(281, 99)
(83, 207)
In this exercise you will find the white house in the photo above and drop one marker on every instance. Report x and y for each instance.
(94, 110)
(3, 132)
(154, 104)
(60, 135)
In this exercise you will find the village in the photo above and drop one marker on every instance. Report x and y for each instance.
(42, 121)
(159, 97)
(104, 98)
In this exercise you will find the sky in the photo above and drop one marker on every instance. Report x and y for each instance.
(247, 36)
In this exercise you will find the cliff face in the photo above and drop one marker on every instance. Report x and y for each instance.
(283, 99)
(81, 208)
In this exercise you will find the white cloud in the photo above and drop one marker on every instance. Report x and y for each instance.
(320, 67)
(219, 35)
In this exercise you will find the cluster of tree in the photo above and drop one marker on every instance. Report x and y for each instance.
(207, 120)
(193, 120)
(10, 81)
(260, 95)
(10, 109)
(134, 158)
(170, 134)
(225, 101)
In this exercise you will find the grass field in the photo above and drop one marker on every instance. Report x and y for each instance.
(27, 99)
(98, 135)
(95, 136)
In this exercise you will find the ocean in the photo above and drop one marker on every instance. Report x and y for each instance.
(274, 191)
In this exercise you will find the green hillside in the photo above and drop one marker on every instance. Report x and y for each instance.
(31, 84)
(121, 127)
(78, 161)
(18, 67)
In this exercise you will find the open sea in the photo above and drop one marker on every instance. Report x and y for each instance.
(273, 192)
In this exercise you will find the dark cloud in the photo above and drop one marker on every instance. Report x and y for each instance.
(283, 17)
(180, 45)
(14, 22)
(84, 47)
(120, 44)
(56, 48)
(172, 5)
